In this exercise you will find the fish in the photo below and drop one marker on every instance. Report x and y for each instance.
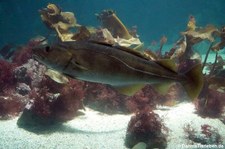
(125, 69)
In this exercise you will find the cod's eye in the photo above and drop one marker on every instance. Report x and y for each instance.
(47, 49)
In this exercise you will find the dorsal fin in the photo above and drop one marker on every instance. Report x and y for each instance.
(83, 34)
(130, 50)
(101, 43)
(150, 54)
(126, 49)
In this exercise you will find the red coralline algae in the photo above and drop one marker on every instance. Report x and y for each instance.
(52, 86)
(210, 103)
(104, 98)
(11, 106)
(49, 106)
(206, 130)
(7, 79)
(147, 127)
(207, 135)
(147, 97)
(11, 103)
(41, 102)
(69, 101)
(59, 103)
(24, 53)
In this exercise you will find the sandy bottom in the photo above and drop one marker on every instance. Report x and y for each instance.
(95, 130)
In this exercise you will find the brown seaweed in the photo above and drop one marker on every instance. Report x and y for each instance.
(197, 36)
(60, 21)
(110, 21)
(220, 45)
(206, 56)
(163, 40)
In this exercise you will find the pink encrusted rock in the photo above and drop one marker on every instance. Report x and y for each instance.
(23, 88)
(53, 102)
(30, 73)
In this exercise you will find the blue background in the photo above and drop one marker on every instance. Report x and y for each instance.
(20, 20)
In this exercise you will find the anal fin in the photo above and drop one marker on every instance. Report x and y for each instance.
(162, 88)
(129, 90)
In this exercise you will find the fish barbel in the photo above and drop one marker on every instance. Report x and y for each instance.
(116, 66)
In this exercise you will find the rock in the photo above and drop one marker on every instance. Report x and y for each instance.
(33, 122)
(23, 89)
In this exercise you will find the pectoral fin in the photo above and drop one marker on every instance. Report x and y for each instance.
(56, 76)
(129, 90)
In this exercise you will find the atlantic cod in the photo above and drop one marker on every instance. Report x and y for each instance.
(116, 66)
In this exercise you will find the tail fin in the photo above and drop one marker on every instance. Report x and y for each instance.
(194, 83)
